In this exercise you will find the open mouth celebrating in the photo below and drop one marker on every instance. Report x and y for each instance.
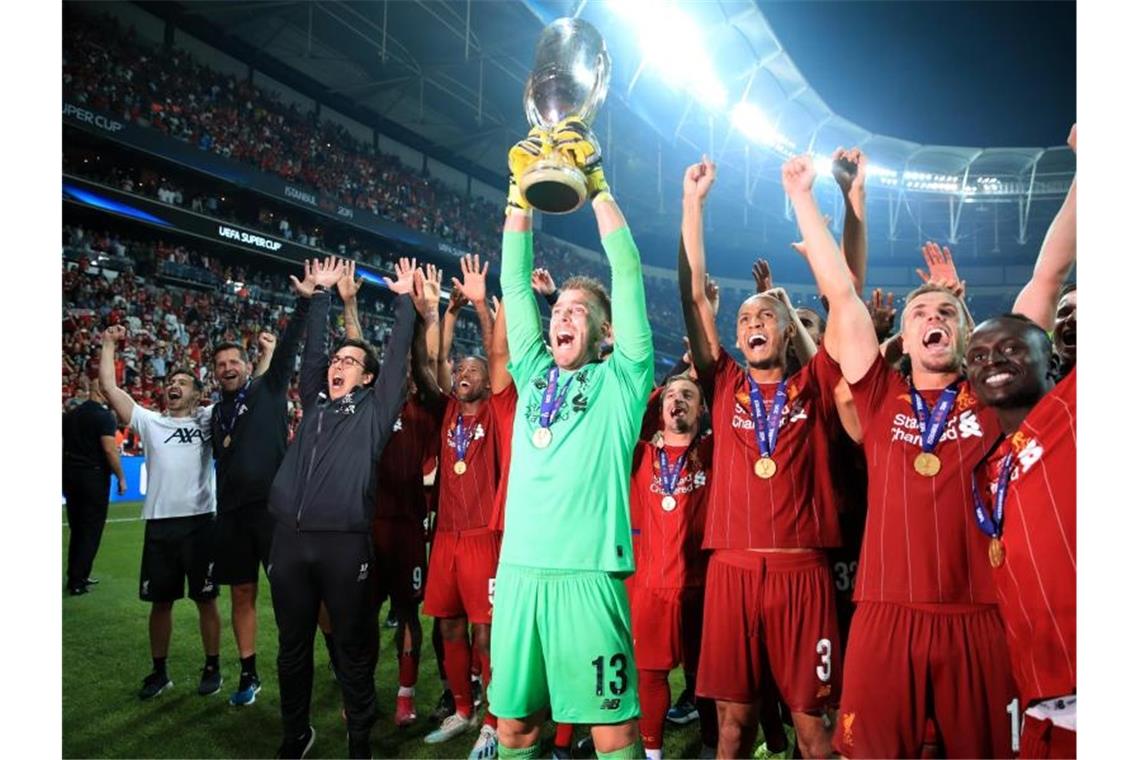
(757, 340)
(564, 338)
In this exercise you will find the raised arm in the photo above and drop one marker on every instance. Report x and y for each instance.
(425, 339)
(850, 336)
(474, 289)
(940, 263)
(348, 286)
(266, 347)
(698, 311)
(320, 276)
(632, 334)
(455, 304)
(853, 185)
(120, 401)
(500, 356)
(1038, 299)
(389, 386)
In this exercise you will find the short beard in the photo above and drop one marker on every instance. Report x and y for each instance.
(680, 426)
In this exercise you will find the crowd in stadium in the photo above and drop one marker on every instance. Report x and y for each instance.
(617, 527)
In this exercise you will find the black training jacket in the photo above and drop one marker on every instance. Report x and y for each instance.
(245, 468)
(327, 481)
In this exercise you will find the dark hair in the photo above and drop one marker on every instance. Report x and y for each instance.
(186, 371)
(822, 319)
(480, 359)
(371, 361)
(229, 345)
(593, 287)
(1066, 289)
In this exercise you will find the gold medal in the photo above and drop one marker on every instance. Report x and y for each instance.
(226, 442)
(668, 503)
(542, 437)
(765, 467)
(460, 467)
(927, 464)
(997, 552)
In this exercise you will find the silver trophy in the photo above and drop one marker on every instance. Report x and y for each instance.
(570, 77)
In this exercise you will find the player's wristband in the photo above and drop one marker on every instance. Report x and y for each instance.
(552, 297)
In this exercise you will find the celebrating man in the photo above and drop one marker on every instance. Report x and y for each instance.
(926, 639)
(561, 605)
(769, 612)
(179, 513)
(249, 429)
(1028, 509)
(323, 498)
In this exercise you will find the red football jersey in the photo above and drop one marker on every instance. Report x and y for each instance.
(921, 543)
(400, 480)
(503, 406)
(1037, 582)
(668, 552)
(782, 512)
(467, 501)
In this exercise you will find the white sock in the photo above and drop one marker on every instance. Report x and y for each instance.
(406, 691)
(653, 754)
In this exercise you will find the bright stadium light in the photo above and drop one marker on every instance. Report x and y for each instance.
(751, 122)
(671, 42)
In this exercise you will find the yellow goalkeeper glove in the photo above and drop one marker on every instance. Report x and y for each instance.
(575, 141)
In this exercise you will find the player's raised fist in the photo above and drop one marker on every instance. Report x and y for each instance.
(699, 179)
(114, 334)
(798, 175)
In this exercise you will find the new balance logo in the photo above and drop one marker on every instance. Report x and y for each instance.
(145, 587)
(611, 704)
(363, 572)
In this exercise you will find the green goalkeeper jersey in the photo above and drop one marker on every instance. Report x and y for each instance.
(568, 504)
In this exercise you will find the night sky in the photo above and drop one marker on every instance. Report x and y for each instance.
(986, 74)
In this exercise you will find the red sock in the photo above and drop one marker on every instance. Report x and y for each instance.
(409, 668)
(653, 691)
(457, 665)
(485, 667)
(563, 733)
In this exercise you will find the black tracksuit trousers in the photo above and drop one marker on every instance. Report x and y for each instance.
(306, 568)
(87, 491)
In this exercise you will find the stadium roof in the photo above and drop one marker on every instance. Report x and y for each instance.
(712, 75)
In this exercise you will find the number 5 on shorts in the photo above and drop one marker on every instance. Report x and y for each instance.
(823, 649)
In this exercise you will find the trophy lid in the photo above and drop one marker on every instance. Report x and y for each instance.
(571, 74)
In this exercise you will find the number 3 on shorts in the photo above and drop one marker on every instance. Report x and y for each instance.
(823, 649)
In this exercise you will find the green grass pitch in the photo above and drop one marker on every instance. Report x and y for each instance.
(106, 655)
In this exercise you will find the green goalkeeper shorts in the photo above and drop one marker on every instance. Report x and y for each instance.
(562, 638)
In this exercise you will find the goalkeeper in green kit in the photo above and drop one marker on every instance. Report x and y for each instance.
(562, 625)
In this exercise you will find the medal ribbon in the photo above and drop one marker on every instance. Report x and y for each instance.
(670, 476)
(229, 423)
(551, 399)
(931, 425)
(991, 524)
(766, 426)
(462, 441)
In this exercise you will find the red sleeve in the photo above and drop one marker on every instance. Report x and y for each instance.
(824, 373)
(719, 373)
(871, 390)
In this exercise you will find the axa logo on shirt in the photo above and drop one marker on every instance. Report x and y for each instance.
(187, 435)
(965, 425)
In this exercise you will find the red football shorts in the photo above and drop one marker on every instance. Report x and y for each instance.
(462, 572)
(667, 627)
(1040, 738)
(907, 663)
(770, 616)
(401, 558)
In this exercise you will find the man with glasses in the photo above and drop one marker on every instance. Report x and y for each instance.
(323, 498)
